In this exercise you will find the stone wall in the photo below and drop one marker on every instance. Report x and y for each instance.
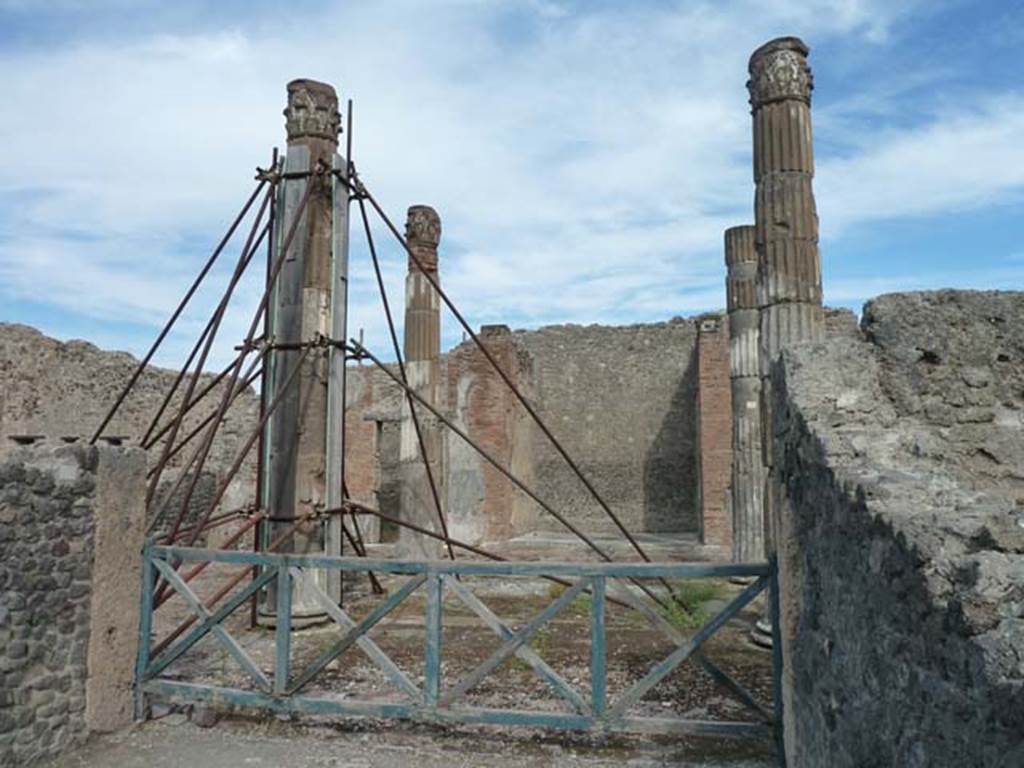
(902, 548)
(61, 391)
(483, 505)
(71, 533)
(622, 402)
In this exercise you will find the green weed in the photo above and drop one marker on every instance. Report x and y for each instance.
(689, 608)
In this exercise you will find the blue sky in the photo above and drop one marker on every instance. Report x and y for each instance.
(584, 156)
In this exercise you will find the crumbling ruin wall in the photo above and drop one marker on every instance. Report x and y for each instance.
(71, 534)
(60, 391)
(622, 400)
(372, 436)
(902, 556)
(482, 504)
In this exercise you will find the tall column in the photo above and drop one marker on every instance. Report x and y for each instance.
(748, 475)
(300, 310)
(786, 221)
(422, 364)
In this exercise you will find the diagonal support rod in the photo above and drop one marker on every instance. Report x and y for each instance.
(177, 313)
(364, 193)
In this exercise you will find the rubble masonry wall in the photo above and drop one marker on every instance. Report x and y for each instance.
(71, 533)
(902, 557)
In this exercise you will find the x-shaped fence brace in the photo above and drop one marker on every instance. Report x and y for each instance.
(429, 700)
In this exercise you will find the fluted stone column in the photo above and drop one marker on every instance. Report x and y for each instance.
(748, 475)
(300, 310)
(422, 363)
(786, 221)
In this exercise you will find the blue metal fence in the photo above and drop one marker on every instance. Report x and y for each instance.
(593, 710)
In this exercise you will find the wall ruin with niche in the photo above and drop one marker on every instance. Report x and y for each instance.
(623, 401)
(620, 399)
(902, 565)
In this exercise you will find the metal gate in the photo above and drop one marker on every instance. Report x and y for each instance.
(434, 700)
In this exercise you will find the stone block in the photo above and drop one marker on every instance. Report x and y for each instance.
(113, 622)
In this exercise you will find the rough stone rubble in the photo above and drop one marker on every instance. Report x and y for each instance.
(902, 463)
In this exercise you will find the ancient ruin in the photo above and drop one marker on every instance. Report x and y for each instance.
(569, 527)
(748, 475)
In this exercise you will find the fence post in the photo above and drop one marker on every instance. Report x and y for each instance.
(283, 629)
(773, 598)
(145, 629)
(598, 648)
(432, 666)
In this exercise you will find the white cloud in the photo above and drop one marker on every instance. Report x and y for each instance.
(585, 162)
(855, 290)
(960, 160)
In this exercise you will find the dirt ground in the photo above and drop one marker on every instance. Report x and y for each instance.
(173, 742)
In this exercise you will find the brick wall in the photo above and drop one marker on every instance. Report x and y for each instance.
(714, 426)
(483, 504)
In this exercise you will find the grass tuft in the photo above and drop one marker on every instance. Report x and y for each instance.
(689, 609)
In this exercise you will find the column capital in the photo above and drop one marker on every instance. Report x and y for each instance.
(423, 226)
(312, 111)
(779, 72)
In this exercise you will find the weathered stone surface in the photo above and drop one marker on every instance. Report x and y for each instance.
(120, 524)
(783, 140)
(482, 504)
(748, 471)
(67, 506)
(840, 322)
(422, 345)
(785, 208)
(741, 268)
(622, 401)
(301, 311)
(887, 491)
(746, 490)
(783, 325)
(714, 421)
(779, 73)
(61, 391)
(312, 111)
(789, 271)
(786, 221)
(744, 343)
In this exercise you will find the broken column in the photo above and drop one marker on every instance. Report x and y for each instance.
(748, 473)
(786, 223)
(422, 353)
(301, 311)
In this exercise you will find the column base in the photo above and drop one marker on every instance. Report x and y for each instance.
(761, 634)
(299, 620)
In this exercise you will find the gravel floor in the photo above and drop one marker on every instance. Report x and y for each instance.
(173, 741)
